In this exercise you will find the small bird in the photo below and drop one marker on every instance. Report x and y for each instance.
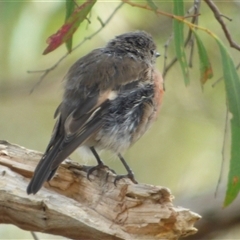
(112, 95)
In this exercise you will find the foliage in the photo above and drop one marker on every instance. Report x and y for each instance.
(74, 16)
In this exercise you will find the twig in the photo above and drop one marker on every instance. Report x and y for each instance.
(88, 20)
(228, 18)
(218, 17)
(195, 7)
(101, 21)
(46, 71)
(165, 71)
(159, 12)
(34, 235)
(166, 45)
(147, 7)
(194, 20)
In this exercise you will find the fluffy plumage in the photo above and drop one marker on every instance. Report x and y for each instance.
(111, 97)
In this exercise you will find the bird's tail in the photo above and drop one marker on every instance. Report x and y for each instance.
(62, 146)
(56, 154)
(44, 170)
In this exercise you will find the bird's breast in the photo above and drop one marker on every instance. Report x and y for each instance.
(128, 117)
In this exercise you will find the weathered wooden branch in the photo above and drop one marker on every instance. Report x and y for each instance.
(72, 206)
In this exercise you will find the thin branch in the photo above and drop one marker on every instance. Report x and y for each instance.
(166, 45)
(159, 12)
(88, 20)
(101, 21)
(174, 60)
(196, 7)
(218, 17)
(34, 235)
(147, 7)
(228, 18)
(46, 71)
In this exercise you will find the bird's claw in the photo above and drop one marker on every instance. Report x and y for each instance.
(130, 175)
(91, 169)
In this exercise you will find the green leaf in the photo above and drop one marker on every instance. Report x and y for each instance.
(70, 7)
(152, 5)
(178, 28)
(205, 65)
(69, 44)
(233, 186)
(232, 85)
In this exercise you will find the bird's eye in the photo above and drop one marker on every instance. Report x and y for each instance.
(155, 53)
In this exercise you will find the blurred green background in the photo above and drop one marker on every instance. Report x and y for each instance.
(182, 151)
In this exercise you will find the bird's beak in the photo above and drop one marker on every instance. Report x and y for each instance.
(157, 54)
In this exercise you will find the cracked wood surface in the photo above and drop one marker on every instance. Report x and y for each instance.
(72, 206)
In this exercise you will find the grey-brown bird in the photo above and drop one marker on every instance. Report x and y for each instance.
(112, 95)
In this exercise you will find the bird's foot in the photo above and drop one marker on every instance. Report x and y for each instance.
(129, 175)
(90, 169)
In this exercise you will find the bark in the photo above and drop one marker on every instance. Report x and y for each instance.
(72, 206)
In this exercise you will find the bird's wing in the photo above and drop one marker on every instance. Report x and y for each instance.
(92, 83)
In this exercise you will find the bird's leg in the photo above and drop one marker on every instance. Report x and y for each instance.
(94, 152)
(100, 164)
(129, 174)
